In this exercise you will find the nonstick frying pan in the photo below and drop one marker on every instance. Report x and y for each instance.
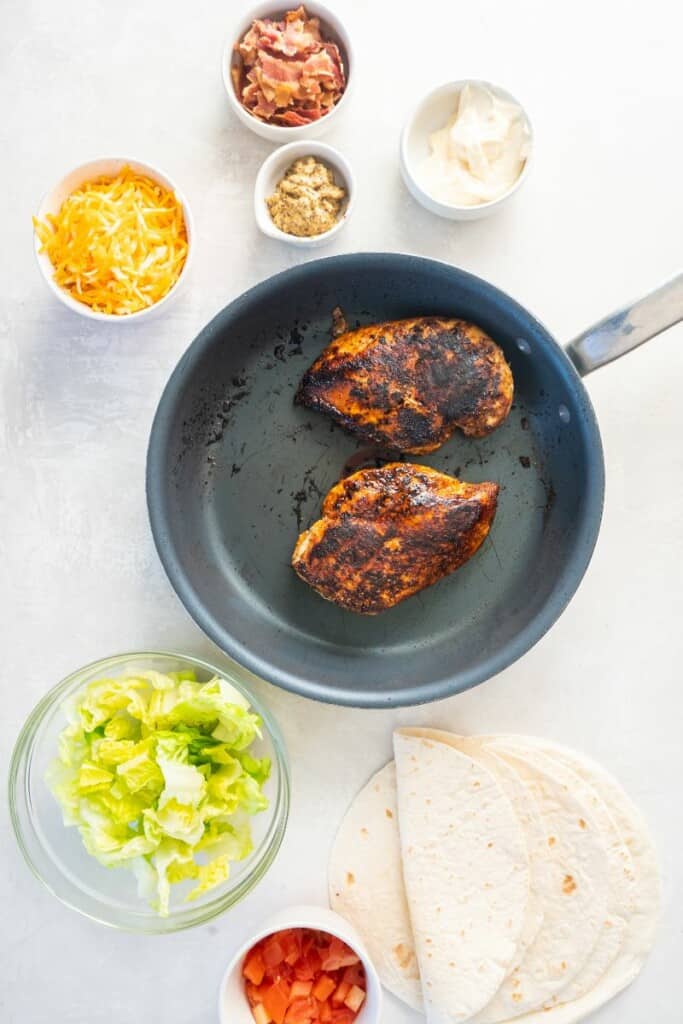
(235, 470)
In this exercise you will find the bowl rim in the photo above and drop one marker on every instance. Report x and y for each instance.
(457, 85)
(240, 25)
(45, 264)
(328, 154)
(262, 857)
(317, 917)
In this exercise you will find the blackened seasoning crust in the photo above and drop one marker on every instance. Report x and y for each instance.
(387, 533)
(409, 384)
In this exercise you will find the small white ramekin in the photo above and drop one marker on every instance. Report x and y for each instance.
(332, 29)
(272, 171)
(51, 203)
(431, 114)
(233, 1005)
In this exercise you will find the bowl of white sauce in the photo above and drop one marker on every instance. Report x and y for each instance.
(466, 149)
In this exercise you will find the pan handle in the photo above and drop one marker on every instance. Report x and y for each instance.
(628, 327)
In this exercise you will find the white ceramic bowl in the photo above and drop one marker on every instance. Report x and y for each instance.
(332, 29)
(233, 1005)
(431, 114)
(52, 202)
(272, 171)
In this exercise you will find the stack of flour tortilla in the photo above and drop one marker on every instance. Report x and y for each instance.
(497, 878)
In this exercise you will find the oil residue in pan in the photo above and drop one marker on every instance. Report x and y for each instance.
(213, 415)
(300, 498)
(370, 457)
(501, 454)
(216, 404)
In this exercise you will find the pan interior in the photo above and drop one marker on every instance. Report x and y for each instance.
(236, 470)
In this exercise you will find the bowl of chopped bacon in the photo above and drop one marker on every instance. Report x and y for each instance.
(287, 73)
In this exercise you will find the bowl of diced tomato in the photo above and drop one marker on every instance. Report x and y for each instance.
(306, 965)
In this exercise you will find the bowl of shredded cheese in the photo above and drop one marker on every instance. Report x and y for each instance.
(113, 239)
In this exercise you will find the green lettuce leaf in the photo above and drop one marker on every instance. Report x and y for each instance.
(170, 856)
(210, 875)
(157, 774)
(141, 770)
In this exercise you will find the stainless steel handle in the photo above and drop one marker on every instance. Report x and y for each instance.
(628, 327)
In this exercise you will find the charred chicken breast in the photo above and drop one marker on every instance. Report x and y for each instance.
(387, 533)
(409, 384)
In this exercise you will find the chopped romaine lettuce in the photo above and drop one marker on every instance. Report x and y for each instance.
(155, 772)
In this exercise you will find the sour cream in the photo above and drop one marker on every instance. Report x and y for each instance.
(479, 153)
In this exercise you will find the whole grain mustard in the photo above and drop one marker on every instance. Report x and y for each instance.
(306, 201)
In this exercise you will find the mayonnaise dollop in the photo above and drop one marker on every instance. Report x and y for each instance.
(480, 153)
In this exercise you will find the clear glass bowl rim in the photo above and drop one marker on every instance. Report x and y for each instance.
(263, 856)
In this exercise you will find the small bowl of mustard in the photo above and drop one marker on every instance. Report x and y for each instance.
(304, 194)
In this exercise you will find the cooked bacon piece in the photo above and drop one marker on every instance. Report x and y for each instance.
(253, 41)
(287, 73)
(301, 34)
(255, 101)
(295, 118)
(277, 80)
(271, 70)
(319, 70)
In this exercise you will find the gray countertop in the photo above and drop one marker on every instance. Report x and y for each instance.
(598, 222)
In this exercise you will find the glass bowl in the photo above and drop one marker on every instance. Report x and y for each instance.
(55, 852)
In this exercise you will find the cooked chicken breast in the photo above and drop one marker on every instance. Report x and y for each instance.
(409, 384)
(387, 533)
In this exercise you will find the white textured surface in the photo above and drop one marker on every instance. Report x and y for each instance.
(597, 223)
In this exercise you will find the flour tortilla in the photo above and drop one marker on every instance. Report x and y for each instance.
(575, 902)
(366, 872)
(366, 885)
(642, 921)
(527, 814)
(376, 902)
(621, 873)
(466, 874)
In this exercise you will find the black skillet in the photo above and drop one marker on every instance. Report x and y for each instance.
(235, 470)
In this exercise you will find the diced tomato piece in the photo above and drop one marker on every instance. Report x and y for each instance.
(273, 953)
(261, 1015)
(341, 993)
(355, 975)
(259, 993)
(302, 1011)
(338, 955)
(300, 990)
(276, 1000)
(354, 998)
(254, 968)
(288, 972)
(290, 940)
(309, 966)
(303, 976)
(253, 994)
(342, 1016)
(324, 987)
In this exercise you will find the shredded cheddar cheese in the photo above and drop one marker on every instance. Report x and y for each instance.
(118, 244)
